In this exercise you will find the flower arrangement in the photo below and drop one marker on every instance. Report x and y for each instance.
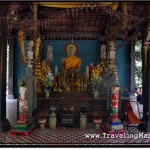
(96, 82)
(48, 80)
(42, 113)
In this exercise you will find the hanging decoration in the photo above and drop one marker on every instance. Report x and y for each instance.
(124, 16)
(21, 39)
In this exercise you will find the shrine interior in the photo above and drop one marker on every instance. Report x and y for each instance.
(74, 73)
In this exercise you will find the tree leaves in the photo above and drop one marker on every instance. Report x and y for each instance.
(138, 64)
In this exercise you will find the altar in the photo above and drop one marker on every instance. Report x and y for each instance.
(69, 96)
(73, 103)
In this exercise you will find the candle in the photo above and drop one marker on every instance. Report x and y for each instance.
(30, 54)
(56, 69)
(87, 72)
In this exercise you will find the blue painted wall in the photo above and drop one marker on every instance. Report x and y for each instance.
(88, 50)
(123, 65)
(19, 67)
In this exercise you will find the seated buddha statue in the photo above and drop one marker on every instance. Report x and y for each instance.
(71, 69)
(72, 62)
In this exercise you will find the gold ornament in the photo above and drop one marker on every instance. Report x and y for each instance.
(21, 39)
(37, 48)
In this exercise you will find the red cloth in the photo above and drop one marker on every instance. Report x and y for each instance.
(131, 117)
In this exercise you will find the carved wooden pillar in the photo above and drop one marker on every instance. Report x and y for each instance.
(132, 55)
(145, 75)
(148, 89)
(4, 123)
(10, 71)
(35, 17)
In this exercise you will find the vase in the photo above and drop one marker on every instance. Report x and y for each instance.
(42, 123)
(52, 121)
(47, 93)
(96, 94)
(52, 108)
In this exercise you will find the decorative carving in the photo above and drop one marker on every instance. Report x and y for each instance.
(21, 39)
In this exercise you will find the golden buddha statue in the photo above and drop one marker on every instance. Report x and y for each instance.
(72, 62)
(73, 80)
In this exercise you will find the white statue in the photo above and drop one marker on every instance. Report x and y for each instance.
(30, 54)
(112, 53)
(52, 121)
(30, 82)
(83, 121)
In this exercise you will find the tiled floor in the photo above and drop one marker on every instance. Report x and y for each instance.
(62, 136)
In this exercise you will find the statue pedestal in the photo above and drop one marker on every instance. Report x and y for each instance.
(23, 133)
(108, 131)
(114, 126)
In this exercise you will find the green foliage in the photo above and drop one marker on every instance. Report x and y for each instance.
(48, 81)
(138, 64)
(42, 113)
(96, 82)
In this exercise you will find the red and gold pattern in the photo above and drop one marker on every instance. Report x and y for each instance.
(114, 105)
(22, 106)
